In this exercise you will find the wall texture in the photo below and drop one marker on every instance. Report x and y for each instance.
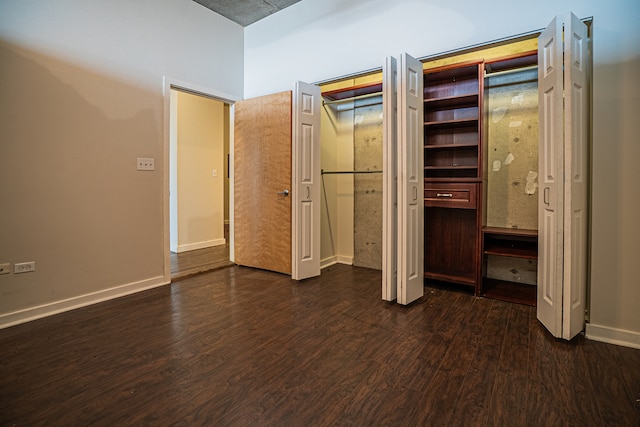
(367, 188)
(82, 98)
(335, 29)
(511, 129)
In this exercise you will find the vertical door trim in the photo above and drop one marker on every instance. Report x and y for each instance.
(390, 180)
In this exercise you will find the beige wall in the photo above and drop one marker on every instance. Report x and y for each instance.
(82, 99)
(201, 130)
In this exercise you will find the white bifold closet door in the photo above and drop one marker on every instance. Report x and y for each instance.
(563, 178)
(403, 263)
(305, 200)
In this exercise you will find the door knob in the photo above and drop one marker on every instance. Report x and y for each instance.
(285, 192)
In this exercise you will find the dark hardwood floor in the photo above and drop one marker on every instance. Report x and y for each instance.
(187, 264)
(244, 347)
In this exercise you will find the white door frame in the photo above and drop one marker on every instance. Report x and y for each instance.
(390, 180)
(168, 84)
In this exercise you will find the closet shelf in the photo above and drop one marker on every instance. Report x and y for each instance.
(451, 179)
(451, 123)
(511, 251)
(449, 146)
(513, 62)
(451, 102)
(519, 293)
(324, 172)
(516, 232)
(353, 91)
(448, 167)
(449, 276)
(463, 71)
(510, 242)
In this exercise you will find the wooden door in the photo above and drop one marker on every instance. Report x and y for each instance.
(262, 181)
(306, 181)
(410, 180)
(390, 180)
(562, 212)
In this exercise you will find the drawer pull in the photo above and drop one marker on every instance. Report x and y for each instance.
(444, 195)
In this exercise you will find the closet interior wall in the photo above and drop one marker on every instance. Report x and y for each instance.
(511, 105)
(367, 222)
(351, 213)
(336, 212)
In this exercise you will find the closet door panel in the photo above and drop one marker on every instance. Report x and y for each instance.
(390, 180)
(410, 181)
(563, 161)
(550, 162)
(576, 180)
(306, 181)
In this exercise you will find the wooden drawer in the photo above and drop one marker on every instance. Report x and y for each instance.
(454, 195)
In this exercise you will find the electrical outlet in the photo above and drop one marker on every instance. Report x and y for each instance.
(24, 267)
(146, 164)
(5, 268)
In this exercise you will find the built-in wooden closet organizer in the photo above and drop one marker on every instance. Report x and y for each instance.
(459, 243)
(452, 173)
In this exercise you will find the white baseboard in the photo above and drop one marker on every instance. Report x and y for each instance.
(33, 313)
(337, 259)
(345, 259)
(328, 262)
(613, 335)
(200, 245)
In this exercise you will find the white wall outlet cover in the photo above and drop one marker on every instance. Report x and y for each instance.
(24, 267)
(5, 268)
(146, 164)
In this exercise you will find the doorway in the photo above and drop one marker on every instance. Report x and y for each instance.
(198, 132)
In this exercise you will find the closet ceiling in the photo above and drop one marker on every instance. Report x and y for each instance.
(246, 12)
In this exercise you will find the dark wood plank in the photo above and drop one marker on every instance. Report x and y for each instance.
(442, 391)
(476, 391)
(616, 391)
(509, 394)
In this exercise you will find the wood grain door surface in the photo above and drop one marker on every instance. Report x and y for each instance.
(262, 169)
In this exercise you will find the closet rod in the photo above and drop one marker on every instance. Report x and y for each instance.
(352, 98)
(324, 172)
